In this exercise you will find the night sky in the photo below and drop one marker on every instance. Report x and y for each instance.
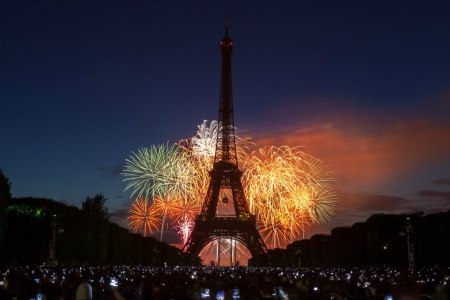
(362, 85)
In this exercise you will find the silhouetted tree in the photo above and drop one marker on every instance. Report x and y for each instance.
(5, 196)
(96, 206)
(341, 247)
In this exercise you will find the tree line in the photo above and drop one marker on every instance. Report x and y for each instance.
(34, 226)
(31, 229)
(380, 241)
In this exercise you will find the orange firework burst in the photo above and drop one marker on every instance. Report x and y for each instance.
(186, 210)
(143, 215)
(273, 229)
(288, 191)
(166, 207)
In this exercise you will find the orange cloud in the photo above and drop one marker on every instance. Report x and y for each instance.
(366, 149)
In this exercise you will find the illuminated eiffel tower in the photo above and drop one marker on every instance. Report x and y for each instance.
(225, 175)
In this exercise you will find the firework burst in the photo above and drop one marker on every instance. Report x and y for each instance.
(184, 229)
(204, 143)
(286, 189)
(143, 216)
(158, 171)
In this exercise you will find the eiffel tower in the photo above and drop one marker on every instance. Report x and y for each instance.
(225, 176)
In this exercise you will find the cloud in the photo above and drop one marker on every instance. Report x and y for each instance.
(119, 213)
(429, 202)
(126, 202)
(370, 203)
(435, 194)
(110, 171)
(443, 181)
(366, 148)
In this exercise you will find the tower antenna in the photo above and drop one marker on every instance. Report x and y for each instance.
(226, 26)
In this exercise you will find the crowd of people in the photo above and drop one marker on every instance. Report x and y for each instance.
(220, 283)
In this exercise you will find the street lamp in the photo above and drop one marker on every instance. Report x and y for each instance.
(408, 229)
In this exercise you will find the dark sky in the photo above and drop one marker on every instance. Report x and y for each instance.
(362, 85)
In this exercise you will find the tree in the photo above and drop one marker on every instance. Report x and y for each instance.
(5, 197)
(96, 206)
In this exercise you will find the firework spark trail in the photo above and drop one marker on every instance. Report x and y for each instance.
(297, 223)
(204, 143)
(184, 229)
(181, 181)
(321, 204)
(210, 249)
(266, 179)
(143, 215)
(186, 210)
(274, 230)
(183, 215)
(165, 207)
(199, 180)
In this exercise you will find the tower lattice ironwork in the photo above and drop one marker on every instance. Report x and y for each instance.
(225, 177)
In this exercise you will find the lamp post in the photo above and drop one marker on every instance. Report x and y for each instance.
(298, 254)
(408, 228)
(52, 250)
